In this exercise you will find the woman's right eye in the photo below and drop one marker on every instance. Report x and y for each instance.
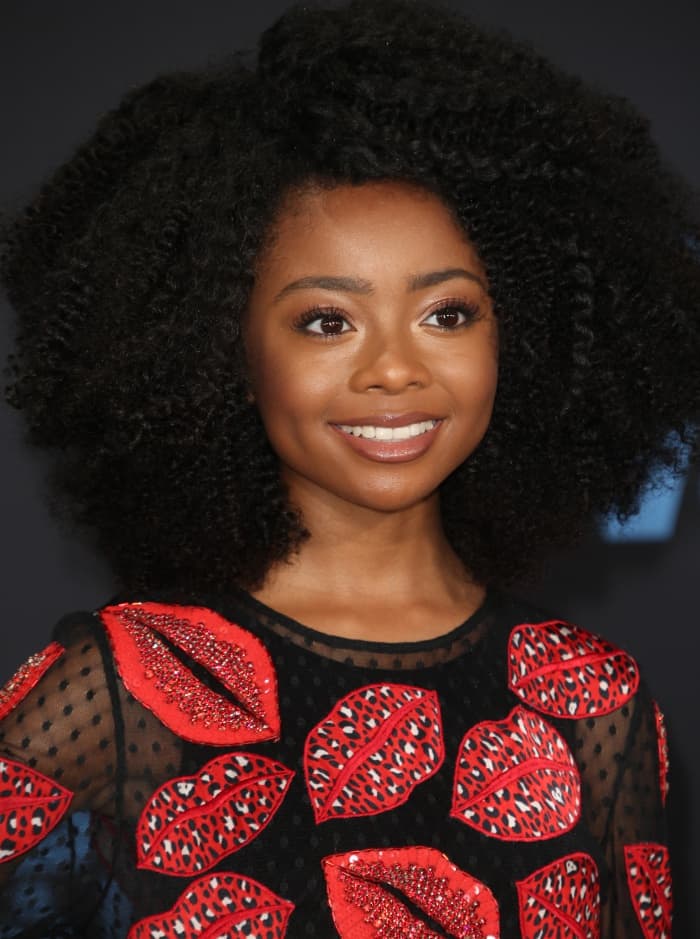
(322, 323)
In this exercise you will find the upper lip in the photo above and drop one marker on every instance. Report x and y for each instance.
(390, 420)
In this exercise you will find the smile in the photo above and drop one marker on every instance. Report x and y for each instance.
(388, 433)
(389, 444)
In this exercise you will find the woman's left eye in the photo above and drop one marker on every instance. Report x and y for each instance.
(453, 315)
(322, 322)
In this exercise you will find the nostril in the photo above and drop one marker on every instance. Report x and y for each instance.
(391, 373)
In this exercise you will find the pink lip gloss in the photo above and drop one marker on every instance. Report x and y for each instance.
(391, 451)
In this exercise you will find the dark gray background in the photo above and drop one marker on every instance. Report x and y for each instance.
(63, 64)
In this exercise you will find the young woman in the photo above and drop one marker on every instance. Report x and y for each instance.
(330, 349)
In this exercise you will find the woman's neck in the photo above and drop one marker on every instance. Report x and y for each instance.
(389, 576)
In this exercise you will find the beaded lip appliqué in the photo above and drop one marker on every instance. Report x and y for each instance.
(565, 671)
(384, 894)
(27, 676)
(153, 642)
(662, 746)
(375, 746)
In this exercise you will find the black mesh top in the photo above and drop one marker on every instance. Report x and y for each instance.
(208, 767)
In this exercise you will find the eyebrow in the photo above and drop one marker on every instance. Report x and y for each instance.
(344, 284)
(358, 285)
(419, 281)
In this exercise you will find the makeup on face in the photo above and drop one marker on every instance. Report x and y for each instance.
(372, 345)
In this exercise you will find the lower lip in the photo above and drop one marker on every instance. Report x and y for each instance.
(391, 451)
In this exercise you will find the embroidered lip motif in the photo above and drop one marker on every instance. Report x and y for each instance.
(31, 805)
(375, 746)
(565, 671)
(662, 745)
(382, 894)
(149, 639)
(191, 822)
(216, 906)
(561, 899)
(649, 881)
(27, 676)
(516, 779)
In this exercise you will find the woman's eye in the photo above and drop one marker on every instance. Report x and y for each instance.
(452, 316)
(328, 323)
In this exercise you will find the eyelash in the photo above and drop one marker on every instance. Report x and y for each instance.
(470, 311)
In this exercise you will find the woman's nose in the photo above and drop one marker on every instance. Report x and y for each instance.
(391, 363)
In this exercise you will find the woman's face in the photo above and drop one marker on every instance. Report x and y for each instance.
(370, 319)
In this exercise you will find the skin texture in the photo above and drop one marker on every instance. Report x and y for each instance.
(388, 348)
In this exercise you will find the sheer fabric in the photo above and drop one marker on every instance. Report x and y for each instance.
(80, 727)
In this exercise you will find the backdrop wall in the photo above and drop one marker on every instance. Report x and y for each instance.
(62, 65)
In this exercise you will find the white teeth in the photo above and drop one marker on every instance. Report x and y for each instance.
(388, 433)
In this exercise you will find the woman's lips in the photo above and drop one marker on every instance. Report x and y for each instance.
(391, 451)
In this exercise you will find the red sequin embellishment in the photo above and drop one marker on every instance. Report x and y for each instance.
(649, 880)
(31, 805)
(561, 899)
(565, 671)
(27, 676)
(218, 906)
(191, 822)
(662, 743)
(375, 746)
(516, 779)
(155, 676)
(365, 890)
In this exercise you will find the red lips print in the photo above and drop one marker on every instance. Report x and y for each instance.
(397, 892)
(561, 899)
(27, 676)
(374, 747)
(516, 779)
(31, 805)
(150, 639)
(649, 880)
(191, 822)
(565, 671)
(216, 906)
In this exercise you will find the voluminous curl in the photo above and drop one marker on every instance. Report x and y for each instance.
(131, 270)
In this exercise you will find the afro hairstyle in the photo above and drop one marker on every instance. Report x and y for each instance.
(131, 270)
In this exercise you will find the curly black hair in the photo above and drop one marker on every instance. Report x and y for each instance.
(131, 270)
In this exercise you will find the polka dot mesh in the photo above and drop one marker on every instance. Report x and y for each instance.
(80, 727)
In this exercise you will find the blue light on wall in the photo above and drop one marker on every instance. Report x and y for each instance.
(656, 520)
(658, 516)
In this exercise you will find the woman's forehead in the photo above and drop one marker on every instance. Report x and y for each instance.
(365, 224)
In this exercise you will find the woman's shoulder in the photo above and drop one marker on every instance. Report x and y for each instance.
(72, 730)
(571, 674)
(84, 647)
(57, 739)
(564, 668)
(71, 657)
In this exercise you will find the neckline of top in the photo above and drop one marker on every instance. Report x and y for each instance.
(311, 637)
